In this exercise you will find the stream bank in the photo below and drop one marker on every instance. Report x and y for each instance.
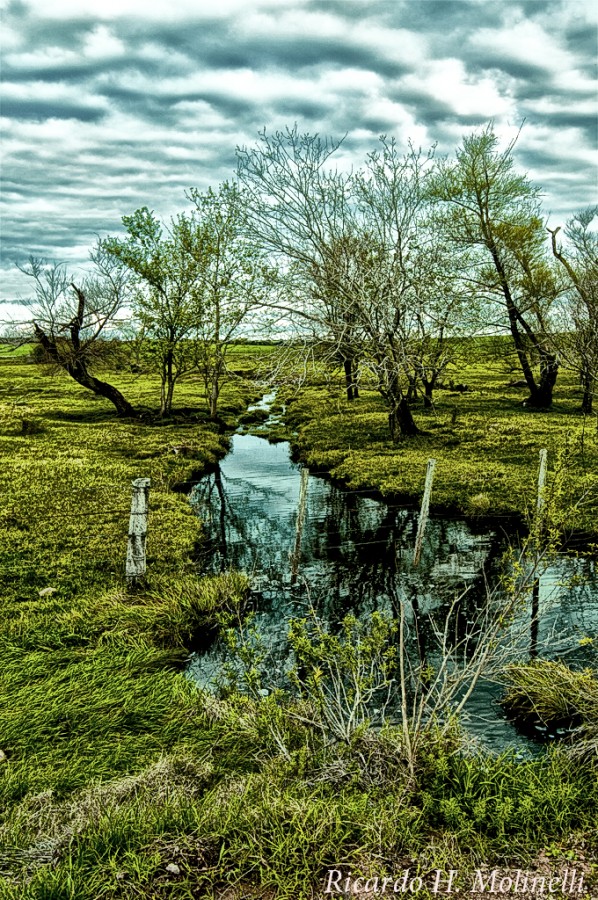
(356, 557)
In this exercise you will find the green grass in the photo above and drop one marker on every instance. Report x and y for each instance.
(487, 459)
(115, 765)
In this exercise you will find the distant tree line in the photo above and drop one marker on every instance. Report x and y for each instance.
(382, 269)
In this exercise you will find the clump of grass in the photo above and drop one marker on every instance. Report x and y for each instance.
(557, 696)
(479, 505)
(184, 606)
(254, 417)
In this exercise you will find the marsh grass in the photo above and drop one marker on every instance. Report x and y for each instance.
(116, 765)
(487, 455)
(557, 696)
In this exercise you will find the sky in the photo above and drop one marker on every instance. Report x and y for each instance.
(109, 105)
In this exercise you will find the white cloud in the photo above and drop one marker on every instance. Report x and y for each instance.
(523, 41)
(133, 102)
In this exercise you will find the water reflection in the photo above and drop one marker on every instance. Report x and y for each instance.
(356, 556)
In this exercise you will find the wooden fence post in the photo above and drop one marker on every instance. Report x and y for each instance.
(296, 555)
(136, 562)
(537, 551)
(423, 513)
(541, 481)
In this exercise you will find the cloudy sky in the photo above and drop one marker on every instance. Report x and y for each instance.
(108, 105)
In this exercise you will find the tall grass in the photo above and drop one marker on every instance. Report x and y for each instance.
(115, 767)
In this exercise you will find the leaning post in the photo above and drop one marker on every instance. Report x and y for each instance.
(423, 513)
(296, 554)
(541, 481)
(537, 552)
(136, 560)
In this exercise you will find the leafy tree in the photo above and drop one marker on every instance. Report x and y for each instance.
(234, 281)
(580, 265)
(495, 213)
(72, 322)
(168, 268)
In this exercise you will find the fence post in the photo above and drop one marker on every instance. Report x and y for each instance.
(541, 481)
(534, 626)
(136, 562)
(296, 555)
(423, 513)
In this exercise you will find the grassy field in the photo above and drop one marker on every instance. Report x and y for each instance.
(119, 778)
(485, 442)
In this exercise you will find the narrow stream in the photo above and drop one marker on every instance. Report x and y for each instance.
(356, 556)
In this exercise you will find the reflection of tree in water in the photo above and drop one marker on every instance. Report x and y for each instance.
(356, 554)
(237, 538)
(357, 557)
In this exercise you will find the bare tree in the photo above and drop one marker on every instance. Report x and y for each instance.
(404, 309)
(354, 248)
(579, 345)
(72, 322)
(300, 211)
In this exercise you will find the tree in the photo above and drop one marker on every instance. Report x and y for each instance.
(234, 281)
(495, 212)
(300, 213)
(411, 302)
(349, 246)
(167, 269)
(71, 322)
(580, 265)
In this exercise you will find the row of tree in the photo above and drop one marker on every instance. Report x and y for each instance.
(178, 294)
(380, 270)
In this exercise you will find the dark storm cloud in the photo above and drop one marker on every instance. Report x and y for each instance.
(38, 110)
(107, 111)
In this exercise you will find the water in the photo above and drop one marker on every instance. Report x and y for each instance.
(356, 556)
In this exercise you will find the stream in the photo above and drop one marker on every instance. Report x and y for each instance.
(355, 556)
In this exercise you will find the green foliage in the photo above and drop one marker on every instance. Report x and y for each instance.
(168, 299)
(346, 677)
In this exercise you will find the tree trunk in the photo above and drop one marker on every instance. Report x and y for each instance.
(103, 389)
(348, 378)
(401, 422)
(428, 392)
(541, 394)
(77, 369)
(350, 367)
(168, 382)
(214, 399)
(588, 395)
(412, 389)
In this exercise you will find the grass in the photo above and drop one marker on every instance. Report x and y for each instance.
(558, 697)
(89, 686)
(485, 443)
(115, 767)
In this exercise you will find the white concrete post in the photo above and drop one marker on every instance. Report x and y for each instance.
(136, 562)
(535, 623)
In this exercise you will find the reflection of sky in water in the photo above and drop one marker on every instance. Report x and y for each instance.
(356, 556)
